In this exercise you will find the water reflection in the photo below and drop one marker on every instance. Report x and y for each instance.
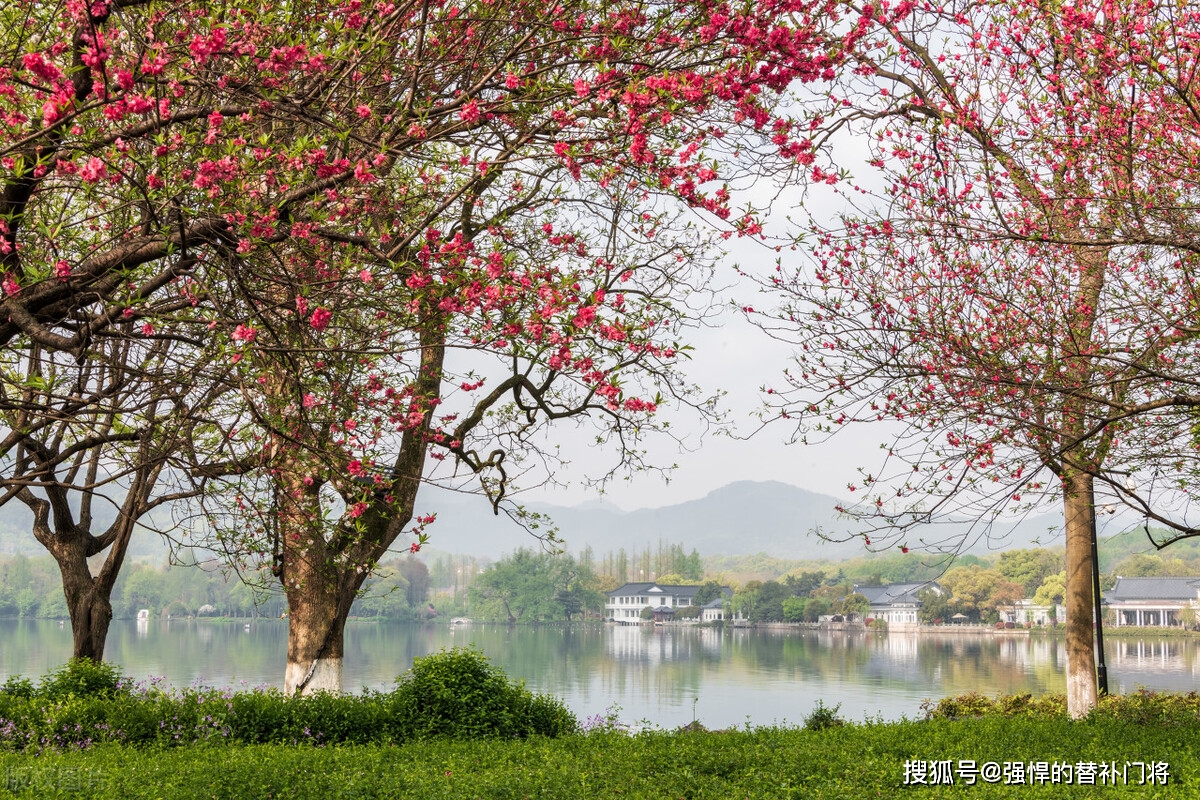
(653, 673)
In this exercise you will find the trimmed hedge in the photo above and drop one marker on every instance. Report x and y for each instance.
(1143, 707)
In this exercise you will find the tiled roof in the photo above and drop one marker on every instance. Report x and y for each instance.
(662, 589)
(630, 588)
(894, 592)
(1128, 589)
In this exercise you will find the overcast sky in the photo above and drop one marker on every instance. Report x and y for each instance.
(737, 358)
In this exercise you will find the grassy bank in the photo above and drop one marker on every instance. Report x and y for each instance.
(454, 727)
(853, 761)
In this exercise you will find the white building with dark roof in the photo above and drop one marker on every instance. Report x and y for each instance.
(625, 603)
(896, 603)
(1027, 612)
(1161, 602)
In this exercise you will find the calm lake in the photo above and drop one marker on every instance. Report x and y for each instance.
(659, 674)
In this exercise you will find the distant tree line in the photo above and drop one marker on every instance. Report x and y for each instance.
(31, 587)
(529, 586)
(664, 562)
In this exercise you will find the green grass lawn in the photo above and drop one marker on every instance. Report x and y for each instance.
(852, 761)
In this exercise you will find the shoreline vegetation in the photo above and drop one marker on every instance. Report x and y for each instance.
(528, 587)
(1110, 631)
(454, 727)
(541, 587)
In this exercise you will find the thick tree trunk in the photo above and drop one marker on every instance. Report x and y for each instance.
(87, 595)
(322, 570)
(90, 610)
(1081, 651)
(310, 581)
(316, 641)
(320, 589)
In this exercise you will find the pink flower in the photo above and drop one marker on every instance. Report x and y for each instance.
(309, 400)
(94, 170)
(363, 111)
(320, 319)
(39, 66)
(244, 333)
(512, 81)
(147, 329)
(62, 270)
(350, 424)
(10, 285)
(357, 509)
(355, 468)
(470, 112)
(416, 548)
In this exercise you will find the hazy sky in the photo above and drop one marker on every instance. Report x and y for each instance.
(738, 358)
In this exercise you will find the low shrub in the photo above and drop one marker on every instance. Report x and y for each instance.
(459, 693)
(823, 717)
(83, 677)
(1143, 707)
(455, 694)
(974, 704)
(17, 686)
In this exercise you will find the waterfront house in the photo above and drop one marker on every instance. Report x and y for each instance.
(896, 603)
(625, 603)
(714, 610)
(1026, 612)
(1164, 602)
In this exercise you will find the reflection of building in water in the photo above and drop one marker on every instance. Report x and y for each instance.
(1163, 665)
(710, 641)
(1028, 652)
(205, 634)
(1161, 602)
(651, 645)
(1142, 654)
(900, 647)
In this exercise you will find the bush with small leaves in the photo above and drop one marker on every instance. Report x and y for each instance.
(823, 717)
(17, 686)
(459, 693)
(83, 677)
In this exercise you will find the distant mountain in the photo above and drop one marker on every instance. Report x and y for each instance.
(737, 519)
(740, 518)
